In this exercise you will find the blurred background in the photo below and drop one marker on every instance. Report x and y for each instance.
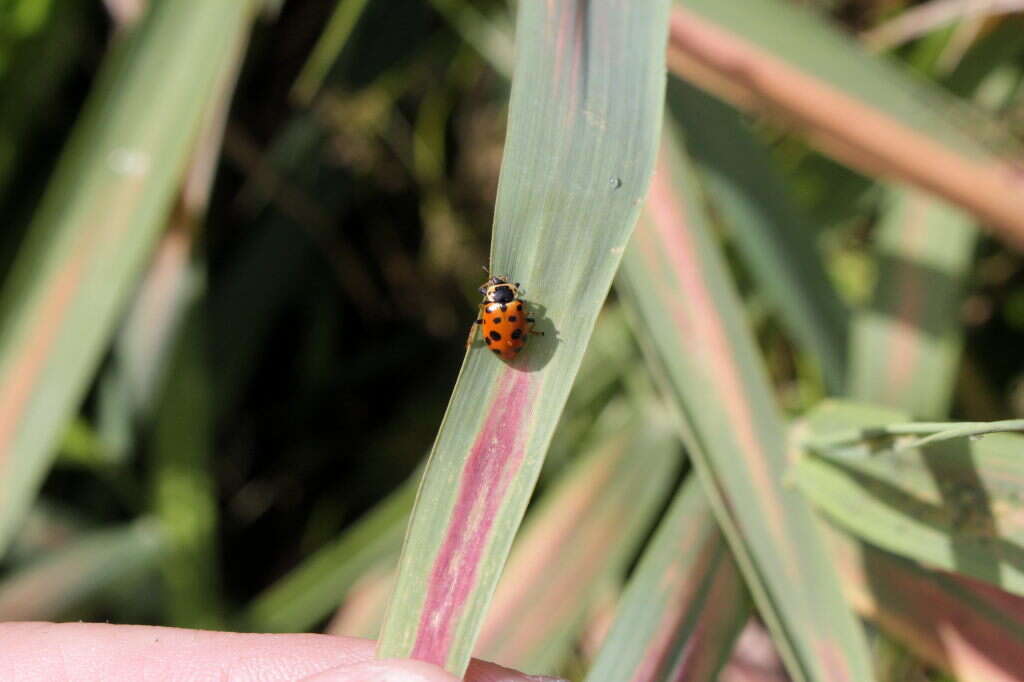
(337, 268)
(276, 359)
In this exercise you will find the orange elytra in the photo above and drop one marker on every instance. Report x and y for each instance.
(503, 318)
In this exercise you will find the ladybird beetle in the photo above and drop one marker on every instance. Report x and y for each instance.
(503, 318)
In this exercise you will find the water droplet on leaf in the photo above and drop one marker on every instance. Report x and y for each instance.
(615, 182)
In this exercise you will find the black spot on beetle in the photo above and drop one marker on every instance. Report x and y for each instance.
(497, 320)
(512, 318)
(495, 335)
(519, 307)
(517, 333)
(487, 340)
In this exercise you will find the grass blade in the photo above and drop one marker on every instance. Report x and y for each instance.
(362, 553)
(931, 432)
(684, 605)
(161, 302)
(49, 586)
(184, 489)
(949, 504)
(490, 36)
(325, 53)
(583, 128)
(772, 237)
(915, 22)
(97, 224)
(675, 281)
(984, 59)
(611, 349)
(582, 534)
(969, 430)
(970, 629)
(906, 344)
(852, 106)
(162, 354)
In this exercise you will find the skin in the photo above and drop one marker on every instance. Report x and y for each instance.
(95, 652)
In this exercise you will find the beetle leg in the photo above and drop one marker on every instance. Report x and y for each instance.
(473, 327)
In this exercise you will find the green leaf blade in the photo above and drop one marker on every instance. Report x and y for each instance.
(951, 504)
(772, 237)
(676, 283)
(684, 605)
(832, 57)
(47, 587)
(583, 128)
(971, 629)
(854, 107)
(583, 534)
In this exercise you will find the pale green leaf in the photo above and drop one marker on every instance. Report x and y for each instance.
(951, 504)
(698, 344)
(584, 118)
(684, 605)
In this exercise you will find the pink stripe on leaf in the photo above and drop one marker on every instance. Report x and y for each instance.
(492, 464)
